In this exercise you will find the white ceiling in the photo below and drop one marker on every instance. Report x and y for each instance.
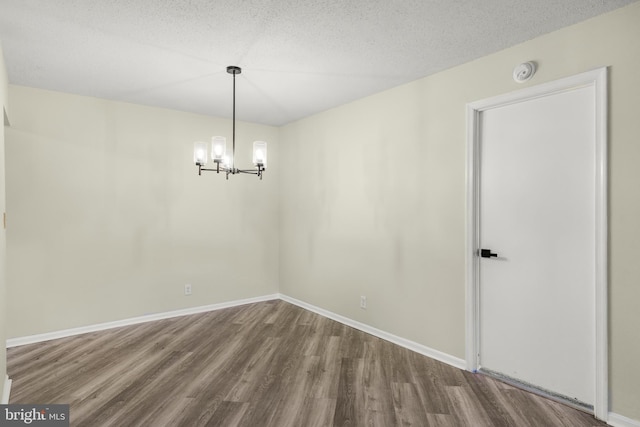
(298, 57)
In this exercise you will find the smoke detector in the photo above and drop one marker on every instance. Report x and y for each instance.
(524, 72)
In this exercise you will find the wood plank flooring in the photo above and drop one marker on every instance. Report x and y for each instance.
(264, 364)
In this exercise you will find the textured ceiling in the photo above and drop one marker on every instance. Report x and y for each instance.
(298, 57)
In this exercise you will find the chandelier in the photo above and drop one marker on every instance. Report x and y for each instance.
(224, 162)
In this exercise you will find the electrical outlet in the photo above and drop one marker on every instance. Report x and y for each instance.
(363, 302)
(187, 289)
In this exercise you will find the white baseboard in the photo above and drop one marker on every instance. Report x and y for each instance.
(411, 345)
(6, 390)
(31, 339)
(616, 420)
(402, 342)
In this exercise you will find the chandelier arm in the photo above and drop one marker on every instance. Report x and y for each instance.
(217, 169)
(258, 171)
(232, 170)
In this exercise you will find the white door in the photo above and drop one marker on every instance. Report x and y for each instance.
(537, 213)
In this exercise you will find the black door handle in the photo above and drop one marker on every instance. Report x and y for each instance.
(486, 253)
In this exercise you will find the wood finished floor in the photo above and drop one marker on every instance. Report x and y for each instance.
(264, 364)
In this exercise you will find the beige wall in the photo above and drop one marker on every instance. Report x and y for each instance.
(3, 299)
(373, 196)
(109, 218)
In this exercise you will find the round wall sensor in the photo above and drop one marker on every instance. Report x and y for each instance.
(524, 72)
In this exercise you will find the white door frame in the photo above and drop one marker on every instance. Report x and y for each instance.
(598, 80)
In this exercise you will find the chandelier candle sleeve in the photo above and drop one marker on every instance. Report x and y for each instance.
(218, 148)
(200, 153)
(260, 154)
